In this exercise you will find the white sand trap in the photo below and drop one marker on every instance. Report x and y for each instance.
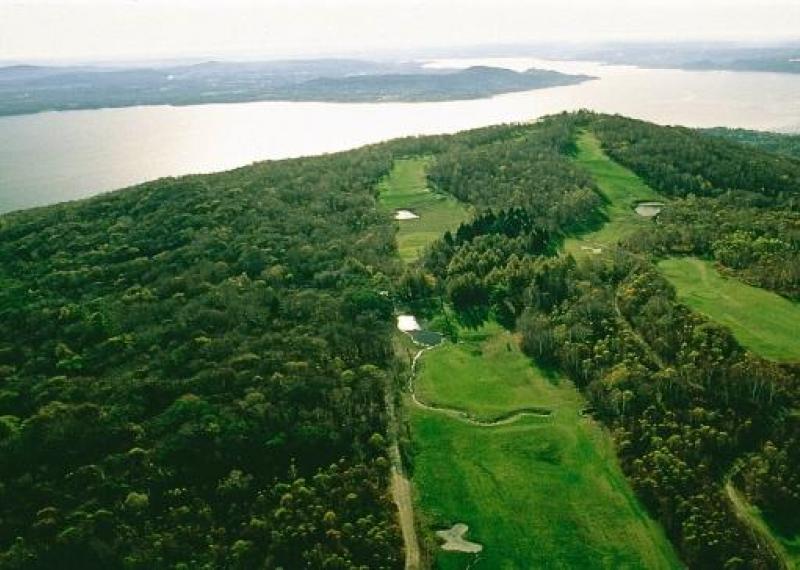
(594, 250)
(405, 215)
(407, 323)
(454, 539)
(648, 209)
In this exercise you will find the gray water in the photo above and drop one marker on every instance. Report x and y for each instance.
(58, 156)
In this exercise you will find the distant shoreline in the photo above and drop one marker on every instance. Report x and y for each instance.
(28, 90)
(341, 100)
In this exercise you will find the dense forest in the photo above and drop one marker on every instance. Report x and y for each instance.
(193, 371)
(192, 374)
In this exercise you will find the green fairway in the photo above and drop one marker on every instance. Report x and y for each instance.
(762, 321)
(406, 188)
(486, 375)
(541, 492)
(620, 187)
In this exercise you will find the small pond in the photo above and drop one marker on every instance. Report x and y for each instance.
(428, 338)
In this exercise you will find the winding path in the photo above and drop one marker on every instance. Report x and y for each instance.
(401, 492)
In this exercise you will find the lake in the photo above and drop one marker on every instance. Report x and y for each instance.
(57, 156)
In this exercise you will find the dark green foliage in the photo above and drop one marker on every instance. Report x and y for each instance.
(760, 246)
(683, 398)
(529, 174)
(176, 355)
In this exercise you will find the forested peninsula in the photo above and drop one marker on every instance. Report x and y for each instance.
(205, 371)
(31, 89)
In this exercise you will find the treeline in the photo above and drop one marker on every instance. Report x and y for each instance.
(528, 195)
(531, 171)
(689, 408)
(683, 399)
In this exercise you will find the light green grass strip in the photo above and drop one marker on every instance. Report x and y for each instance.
(621, 188)
(762, 321)
(406, 188)
(537, 493)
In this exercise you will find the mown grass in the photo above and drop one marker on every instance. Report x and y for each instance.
(537, 493)
(620, 188)
(500, 380)
(761, 321)
(406, 188)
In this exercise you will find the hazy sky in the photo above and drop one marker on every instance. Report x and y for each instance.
(109, 29)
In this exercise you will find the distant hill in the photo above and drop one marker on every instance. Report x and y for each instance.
(30, 89)
(700, 56)
(471, 83)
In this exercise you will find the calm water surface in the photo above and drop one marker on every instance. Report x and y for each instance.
(52, 157)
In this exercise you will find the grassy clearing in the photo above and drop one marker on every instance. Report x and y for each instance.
(620, 187)
(537, 493)
(762, 321)
(499, 378)
(406, 188)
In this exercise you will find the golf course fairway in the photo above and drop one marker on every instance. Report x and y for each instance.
(538, 492)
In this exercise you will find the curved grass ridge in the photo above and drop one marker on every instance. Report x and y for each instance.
(464, 415)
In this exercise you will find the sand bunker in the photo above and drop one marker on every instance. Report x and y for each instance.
(405, 215)
(454, 539)
(648, 209)
(407, 323)
(594, 250)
